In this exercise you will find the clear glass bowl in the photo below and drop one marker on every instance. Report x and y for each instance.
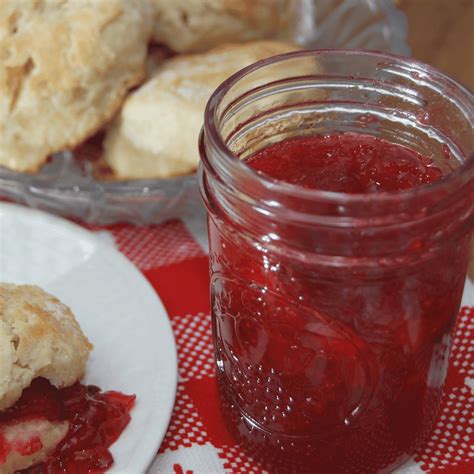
(67, 188)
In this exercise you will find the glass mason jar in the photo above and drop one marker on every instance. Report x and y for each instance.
(333, 313)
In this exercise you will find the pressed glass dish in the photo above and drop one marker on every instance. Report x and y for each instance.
(68, 188)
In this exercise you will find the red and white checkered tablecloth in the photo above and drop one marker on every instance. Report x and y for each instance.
(197, 440)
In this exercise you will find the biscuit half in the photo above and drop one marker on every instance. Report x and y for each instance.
(24, 433)
(156, 133)
(39, 337)
(197, 25)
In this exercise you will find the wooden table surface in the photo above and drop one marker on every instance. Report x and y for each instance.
(441, 33)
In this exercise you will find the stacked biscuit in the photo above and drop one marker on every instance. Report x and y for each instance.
(67, 68)
(39, 337)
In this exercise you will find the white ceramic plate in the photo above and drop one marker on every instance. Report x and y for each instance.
(117, 309)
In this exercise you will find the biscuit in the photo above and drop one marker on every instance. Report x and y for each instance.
(197, 25)
(156, 133)
(65, 68)
(39, 337)
(27, 433)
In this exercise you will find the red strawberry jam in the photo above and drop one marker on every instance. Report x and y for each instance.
(332, 368)
(96, 420)
(346, 163)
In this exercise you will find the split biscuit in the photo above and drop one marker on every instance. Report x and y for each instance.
(39, 337)
(156, 133)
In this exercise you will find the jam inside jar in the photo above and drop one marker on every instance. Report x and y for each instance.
(340, 190)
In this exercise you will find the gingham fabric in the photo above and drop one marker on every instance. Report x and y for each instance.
(197, 440)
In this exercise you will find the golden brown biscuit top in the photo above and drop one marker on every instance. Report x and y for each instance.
(56, 39)
(156, 133)
(197, 25)
(65, 67)
(39, 337)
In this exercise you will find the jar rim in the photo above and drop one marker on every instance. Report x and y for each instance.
(236, 166)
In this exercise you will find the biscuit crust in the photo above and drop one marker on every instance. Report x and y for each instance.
(197, 25)
(39, 337)
(65, 68)
(156, 133)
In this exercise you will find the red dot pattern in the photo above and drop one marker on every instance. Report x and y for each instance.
(452, 442)
(463, 347)
(156, 246)
(450, 448)
(186, 428)
(195, 350)
(238, 462)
